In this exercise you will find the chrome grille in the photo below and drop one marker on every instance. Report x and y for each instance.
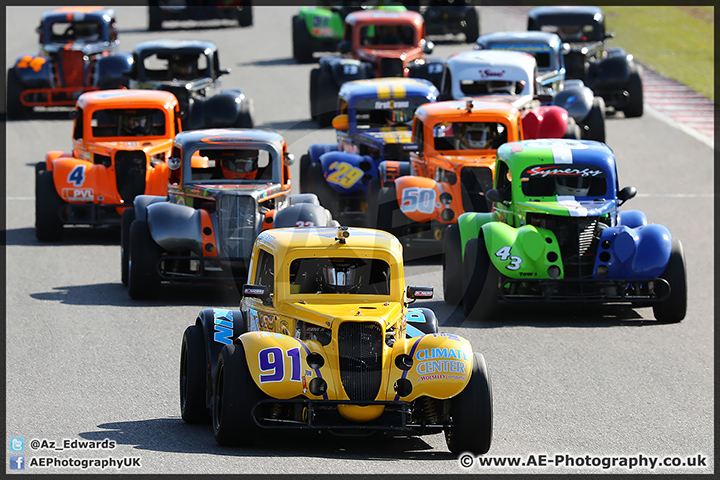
(130, 170)
(360, 347)
(236, 220)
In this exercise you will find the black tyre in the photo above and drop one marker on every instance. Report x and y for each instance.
(314, 93)
(245, 14)
(245, 120)
(302, 41)
(472, 25)
(674, 307)
(471, 413)
(573, 130)
(15, 109)
(126, 220)
(234, 395)
(595, 120)
(193, 376)
(48, 225)
(635, 91)
(320, 187)
(155, 18)
(480, 281)
(387, 206)
(304, 184)
(372, 201)
(452, 266)
(143, 277)
(327, 101)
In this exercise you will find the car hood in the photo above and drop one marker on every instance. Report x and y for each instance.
(359, 309)
(145, 145)
(570, 206)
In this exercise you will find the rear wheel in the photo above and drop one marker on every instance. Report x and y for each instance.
(387, 206)
(635, 91)
(674, 307)
(573, 130)
(452, 266)
(480, 281)
(302, 41)
(305, 163)
(15, 108)
(372, 201)
(193, 378)
(245, 14)
(126, 220)
(234, 396)
(595, 120)
(48, 225)
(471, 413)
(154, 18)
(320, 187)
(472, 25)
(314, 94)
(327, 100)
(143, 277)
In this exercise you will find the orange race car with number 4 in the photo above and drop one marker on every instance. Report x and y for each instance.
(121, 141)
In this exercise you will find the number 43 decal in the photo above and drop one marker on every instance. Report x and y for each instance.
(504, 254)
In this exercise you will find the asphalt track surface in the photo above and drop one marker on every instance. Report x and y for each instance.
(85, 362)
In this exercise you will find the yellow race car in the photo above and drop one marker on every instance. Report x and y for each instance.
(325, 339)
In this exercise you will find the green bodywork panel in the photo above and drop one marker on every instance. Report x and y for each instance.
(326, 23)
(522, 252)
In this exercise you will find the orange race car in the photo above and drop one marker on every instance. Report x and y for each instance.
(453, 167)
(121, 141)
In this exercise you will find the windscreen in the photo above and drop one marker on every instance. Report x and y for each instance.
(125, 122)
(344, 275)
(564, 180)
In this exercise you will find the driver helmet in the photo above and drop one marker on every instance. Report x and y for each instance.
(476, 136)
(402, 116)
(243, 165)
(501, 86)
(570, 32)
(572, 185)
(340, 276)
(136, 125)
(182, 66)
(85, 30)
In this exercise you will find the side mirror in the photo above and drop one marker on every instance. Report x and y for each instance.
(341, 122)
(494, 196)
(626, 194)
(258, 291)
(344, 47)
(565, 48)
(609, 35)
(73, 114)
(427, 47)
(414, 292)
(289, 158)
(223, 71)
(174, 163)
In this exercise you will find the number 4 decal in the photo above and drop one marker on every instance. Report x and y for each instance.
(504, 254)
(77, 176)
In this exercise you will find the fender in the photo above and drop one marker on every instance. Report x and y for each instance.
(221, 110)
(390, 170)
(470, 224)
(578, 101)
(113, 71)
(53, 155)
(34, 71)
(302, 215)
(632, 218)
(609, 72)
(142, 201)
(82, 181)
(221, 327)
(545, 122)
(419, 198)
(441, 365)
(346, 69)
(634, 253)
(522, 252)
(348, 172)
(420, 321)
(175, 227)
(317, 149)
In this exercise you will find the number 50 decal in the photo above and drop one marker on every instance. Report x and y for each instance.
(418, 199)
(504, 254)
(272, 360)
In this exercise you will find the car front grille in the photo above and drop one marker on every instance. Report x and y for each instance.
(475, 182)
(130, 170)
(360, 347)
(578, 239)
(236, 220)
(392, 67)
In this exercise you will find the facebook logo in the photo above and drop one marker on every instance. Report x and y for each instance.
(17, 444)
(17, 462)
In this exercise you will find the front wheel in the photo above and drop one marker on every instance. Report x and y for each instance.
(635, 91)
(674, 307)
(452, 266)
(472, 25)
(48, 225)
(193, 378)
(126, 220)
(234, 396)
(471, 413)
(305, 164)
(480, 281)
(327, 100)
(245, 14)
(387, 206)
(372, 201)
(15, 108)
(143, 277)
(595, 120)
(302, 41)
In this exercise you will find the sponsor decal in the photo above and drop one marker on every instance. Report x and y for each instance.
(253, 325)
(443, 353)
(266, 321)
(322, 32)
(78, 194)
(544, 171)
(391, 104)
(254, 291)
(223, 321)
(491, 73)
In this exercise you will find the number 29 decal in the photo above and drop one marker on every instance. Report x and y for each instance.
(504, 254)
(344, 174)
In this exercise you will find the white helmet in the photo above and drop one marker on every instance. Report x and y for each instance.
(572, 185)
